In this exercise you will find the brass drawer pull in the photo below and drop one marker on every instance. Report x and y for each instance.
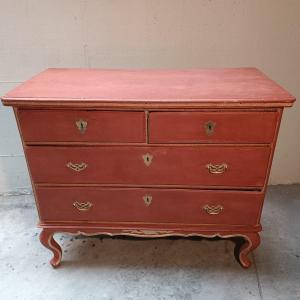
(147, 159)
(77, 167)
(81, 125)
(217, 169)
(213, 210)
(209, 127)
(147, 199)
(82, 206)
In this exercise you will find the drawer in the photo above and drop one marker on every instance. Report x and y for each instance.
(138, 165)
(212, 127)
(81, 126)
(149, 205)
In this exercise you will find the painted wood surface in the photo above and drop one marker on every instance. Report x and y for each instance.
(212, 127)
(152, 205)
(246, 166)
(221, 86)
(98, 126)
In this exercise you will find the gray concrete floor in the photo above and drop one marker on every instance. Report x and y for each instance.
(95, 268)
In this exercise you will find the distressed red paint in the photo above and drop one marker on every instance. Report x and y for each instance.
(146, 139)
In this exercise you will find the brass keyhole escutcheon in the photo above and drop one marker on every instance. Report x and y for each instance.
(209, 127)
(147, 199)
(81, 125)
(147, 159)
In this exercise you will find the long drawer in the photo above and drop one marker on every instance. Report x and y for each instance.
(174, 165)
(149, 205)
(82, 126)
(212, 127)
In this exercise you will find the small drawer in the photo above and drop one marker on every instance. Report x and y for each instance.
(197, 165)
(81, 126)
(149, 205)
(212, 127)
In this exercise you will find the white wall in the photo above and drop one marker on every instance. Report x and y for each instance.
(38, 34)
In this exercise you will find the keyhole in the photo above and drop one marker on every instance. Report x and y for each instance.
(147, 199)
(81, 125)
(209, 127)
(147, 159)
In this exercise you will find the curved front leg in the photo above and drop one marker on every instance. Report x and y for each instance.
(46, 238)
(251, 241)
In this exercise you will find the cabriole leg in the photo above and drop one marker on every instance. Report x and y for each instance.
(242, 250)
(46, 238)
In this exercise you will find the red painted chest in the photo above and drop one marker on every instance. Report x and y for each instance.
(149, 153)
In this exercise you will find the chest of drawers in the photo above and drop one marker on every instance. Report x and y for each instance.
(149, 153)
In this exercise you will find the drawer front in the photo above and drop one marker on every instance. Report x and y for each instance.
(192, 165)
(81, 126)
(212, 127)
(149, 205)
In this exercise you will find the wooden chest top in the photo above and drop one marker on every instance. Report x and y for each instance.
(231, 87)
